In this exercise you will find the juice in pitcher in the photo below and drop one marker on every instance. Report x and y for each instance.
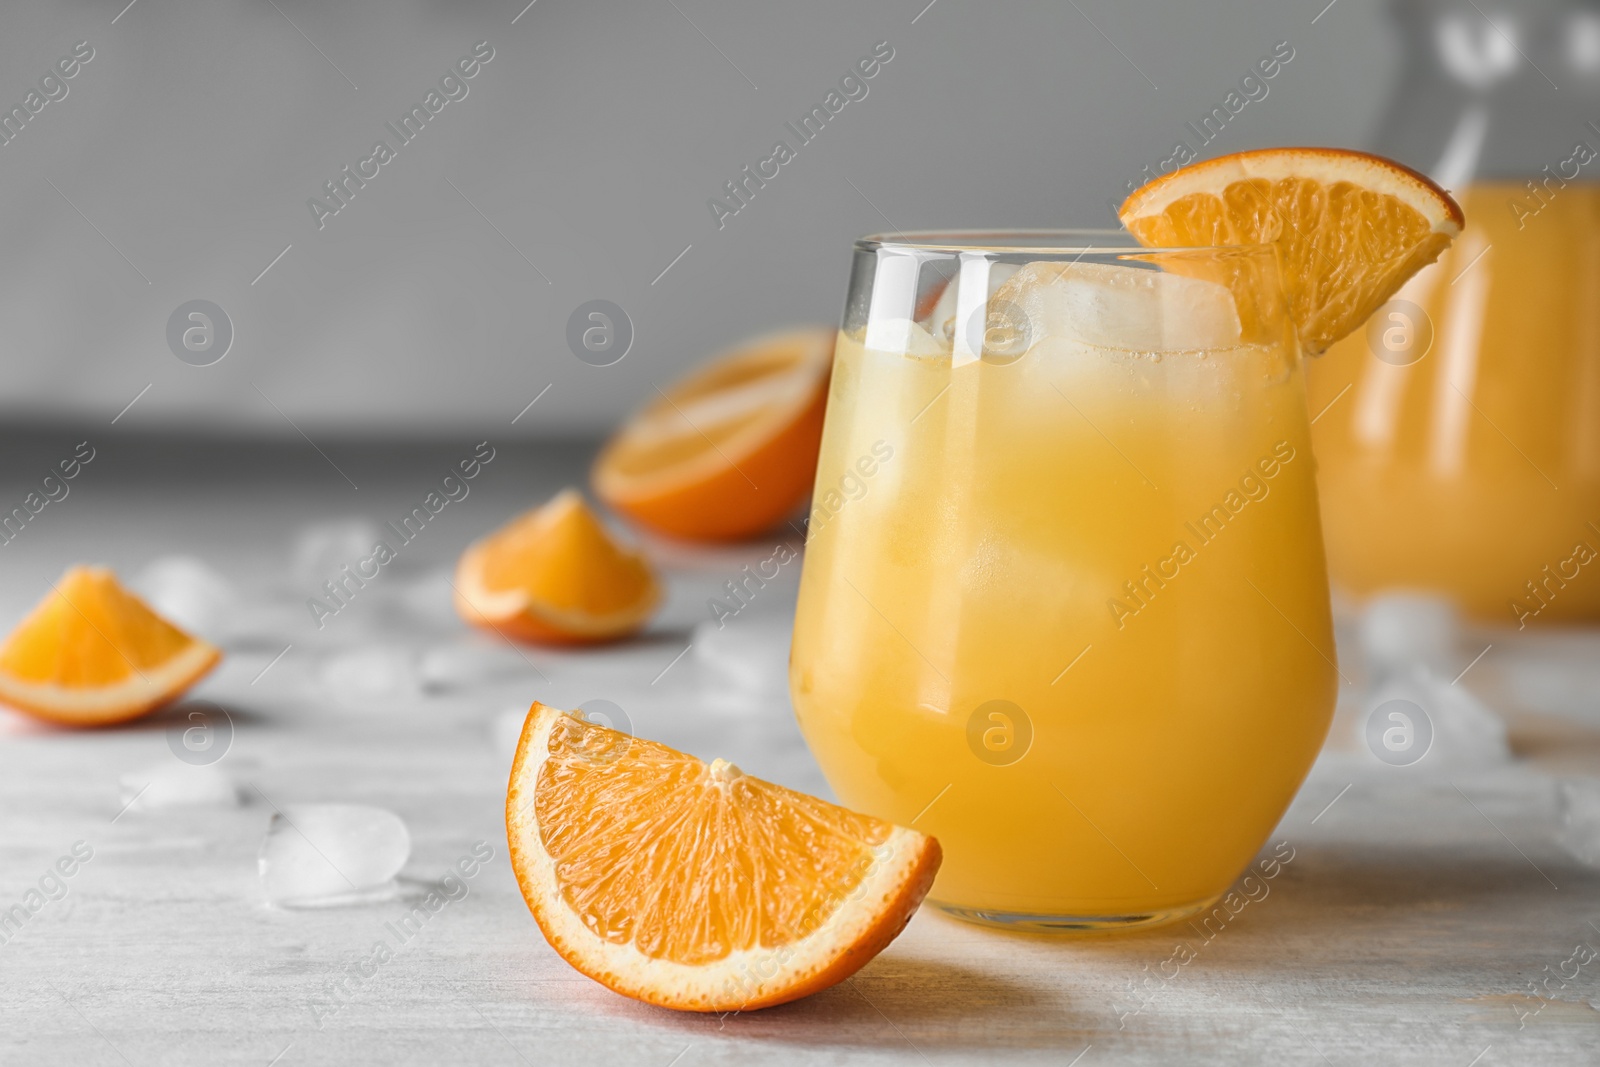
(1460, 446)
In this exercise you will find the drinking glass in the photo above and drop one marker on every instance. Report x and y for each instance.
(1064, 603)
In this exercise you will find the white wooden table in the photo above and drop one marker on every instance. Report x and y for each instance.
(1405, 929)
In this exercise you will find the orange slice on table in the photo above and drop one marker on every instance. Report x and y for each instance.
(695, 886)
(91, 653)
(731, 450)
(555, 575)
(1350, 228)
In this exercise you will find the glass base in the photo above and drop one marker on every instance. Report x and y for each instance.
(1045, 923)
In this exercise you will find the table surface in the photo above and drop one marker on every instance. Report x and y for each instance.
(1406, 928)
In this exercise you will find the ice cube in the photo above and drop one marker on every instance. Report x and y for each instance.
(1419, 718)
(749, 653)
(1469, 734)
(430, 597)
(1127, 308)
(321, 549)
(175, 784)
(505, 730)
(371, 672)
(189, 593)
(1580, 819)
(1402, 629)
(325, 854)
(471, 662)
(974, 286)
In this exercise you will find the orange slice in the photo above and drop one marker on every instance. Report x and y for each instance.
(695, 886)
(1350, 227)
(729, 451)
(91, 653)
(555, 575)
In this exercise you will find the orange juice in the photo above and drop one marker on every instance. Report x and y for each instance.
(1068, 614)
(1460, 448)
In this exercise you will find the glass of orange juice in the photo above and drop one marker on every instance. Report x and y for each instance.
(1064, 603)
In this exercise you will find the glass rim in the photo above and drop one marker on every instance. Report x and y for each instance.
(1040, 242)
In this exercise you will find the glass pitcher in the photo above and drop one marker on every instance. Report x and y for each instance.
(1458, 436)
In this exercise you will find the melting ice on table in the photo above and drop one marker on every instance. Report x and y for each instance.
(320, 549)
(1411, 647)
(1451, 728)
(1580, 819)
(317, 855)
(505, 729)
(189, 592)
(192, 594)
(1402, 630)
(178, 785)
(364, 673)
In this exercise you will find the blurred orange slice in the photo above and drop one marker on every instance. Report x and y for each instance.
(729, 451)
(696, 886)
(1350, 228)
(91, 653)
(555, 575)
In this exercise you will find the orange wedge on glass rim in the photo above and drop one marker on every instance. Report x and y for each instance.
(729, 451)
(556, 575)
(695, 886)
(1349, 227)
(92, 654)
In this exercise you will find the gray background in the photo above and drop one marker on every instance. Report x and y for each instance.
(185, 152)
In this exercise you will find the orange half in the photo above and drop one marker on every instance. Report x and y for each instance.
(1349, 227)
(695, 886)
(91, 654)
(731, 450)
(556, 575)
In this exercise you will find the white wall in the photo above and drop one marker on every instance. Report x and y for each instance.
(592, 142)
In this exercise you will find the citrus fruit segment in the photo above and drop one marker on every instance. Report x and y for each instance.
(91, 653)
(695, 886)
(1349, 227)
(554, 574)
(729, 451)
